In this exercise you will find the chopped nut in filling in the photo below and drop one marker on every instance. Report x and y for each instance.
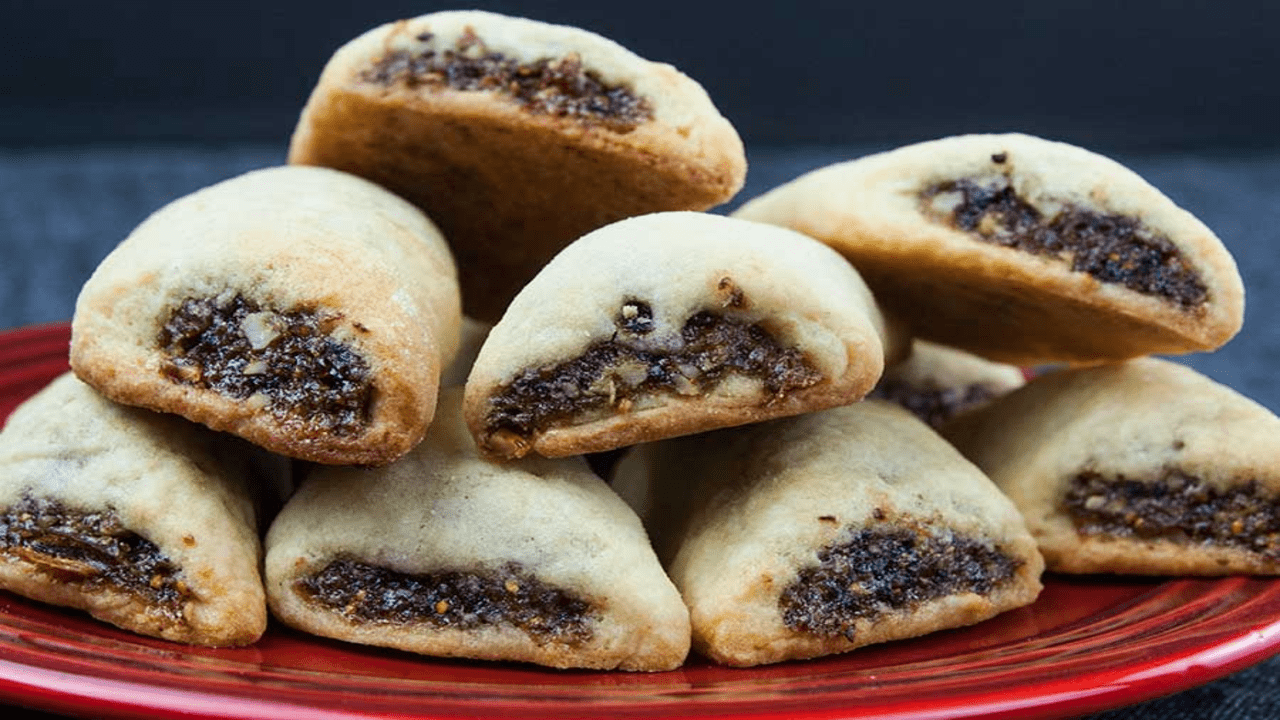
(509, 596)
(1111, 248)
(877, 571)
(612, 373)
(235, 347)
(1179, 508)
(92, 549)
(933, 405)
(550, 86)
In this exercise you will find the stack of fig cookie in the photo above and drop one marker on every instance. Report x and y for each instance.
(279, 407)
(1029, 251)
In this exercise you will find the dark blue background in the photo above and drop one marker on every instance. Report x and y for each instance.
(1109, 75)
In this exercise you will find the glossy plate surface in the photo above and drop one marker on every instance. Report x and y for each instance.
(1085, 645)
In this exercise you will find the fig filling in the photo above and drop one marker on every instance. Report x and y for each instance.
(1111, 248)
(611, 374)
(92, 549)
(237, 348)
(1178, 508)
(551, 86)
(933, 405)
(874, 572)
(509, 596)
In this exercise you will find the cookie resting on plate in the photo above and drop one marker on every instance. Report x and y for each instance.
(821, 533)
(1145, 467)
(448, 554)
(144, 520)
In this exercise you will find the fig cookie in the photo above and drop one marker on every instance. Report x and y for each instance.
(937, 383)
(1145, 467)
(303, 309)
(669, 324)
(516, 136)
(821, 533)
(446, 554)
(144, 520)
(1021, 250)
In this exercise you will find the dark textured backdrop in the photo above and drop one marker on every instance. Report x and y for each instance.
(1121, 75)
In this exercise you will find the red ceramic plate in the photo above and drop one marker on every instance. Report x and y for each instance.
(1085, 645)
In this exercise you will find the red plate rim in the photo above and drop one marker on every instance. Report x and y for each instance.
(1088, 644)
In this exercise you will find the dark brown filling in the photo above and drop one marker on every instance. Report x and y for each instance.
(508, 596)
(935, 406)
(235, 347)
(560, 87)
(613, 372)
(878, 571)
(1111, 248)
(93, 549)
(1177, 508)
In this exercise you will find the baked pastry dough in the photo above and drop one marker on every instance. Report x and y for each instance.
(1020, 249)
(825, 532)
(144, 520)
(1146, 467)
(516, 136)
(447, 554)
(936, 382)
(668, 324)
(303, 309)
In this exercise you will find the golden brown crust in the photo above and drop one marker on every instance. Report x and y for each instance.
(1146, 423)
(69, 452)
(823, 326)
(1002, 302)
(285, 239)
(739, 515)
(508, 187)
(680, 416)
(443, 509)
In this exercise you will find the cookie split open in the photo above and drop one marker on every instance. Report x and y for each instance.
(447, 554)
(516, 136)
(821, 533)
(1145, 467)
(668, 324)
(144, 520)
(1020, 249)
(937, 383)
(303, 309)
